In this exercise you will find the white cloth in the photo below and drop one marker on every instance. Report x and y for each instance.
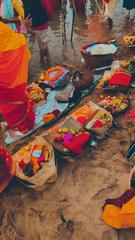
(110, 8)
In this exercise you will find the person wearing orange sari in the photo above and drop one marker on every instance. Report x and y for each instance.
(14, 57)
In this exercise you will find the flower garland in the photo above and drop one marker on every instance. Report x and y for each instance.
(59, 73)
(129, 40)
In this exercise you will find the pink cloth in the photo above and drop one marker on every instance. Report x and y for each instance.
(2, 9)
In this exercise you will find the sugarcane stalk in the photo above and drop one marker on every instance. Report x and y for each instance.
(73, 21)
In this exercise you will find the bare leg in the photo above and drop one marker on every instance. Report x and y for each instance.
(110, 11)
(47, 55)
(44, 53)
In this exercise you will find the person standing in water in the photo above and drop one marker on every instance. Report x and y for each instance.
(130, 6)
(110, 7)
(41, 12)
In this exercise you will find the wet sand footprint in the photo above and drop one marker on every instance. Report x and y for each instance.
(17, 221)
(103, 192)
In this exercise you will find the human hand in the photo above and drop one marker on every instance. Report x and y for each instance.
(27, 22)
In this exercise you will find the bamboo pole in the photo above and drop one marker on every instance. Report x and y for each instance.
(73, 22)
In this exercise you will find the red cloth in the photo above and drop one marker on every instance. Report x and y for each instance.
(22, 113)
(48, 6)
(23, 116)
(14, 102)
(55, 3)
(130, 115)
(7, 168)
(12, 94)
(77, 143)
(106, 1)
(40, 28)
(121, 78)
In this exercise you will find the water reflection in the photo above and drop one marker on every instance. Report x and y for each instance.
(88, 27)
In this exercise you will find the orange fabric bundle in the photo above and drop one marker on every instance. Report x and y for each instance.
(48, 117)
(120, 213)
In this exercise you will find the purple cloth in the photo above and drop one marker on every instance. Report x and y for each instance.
(124, 198)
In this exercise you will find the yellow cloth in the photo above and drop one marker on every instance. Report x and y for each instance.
(11, 44)
(120, 217)
(18, 6)
(10, 40)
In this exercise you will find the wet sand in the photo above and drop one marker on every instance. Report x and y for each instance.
(81, 188)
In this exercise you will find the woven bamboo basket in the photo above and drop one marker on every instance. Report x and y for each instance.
(97, 61)
(103, 130)
(47, 174)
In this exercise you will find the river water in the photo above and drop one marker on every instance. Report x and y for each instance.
(88, 27)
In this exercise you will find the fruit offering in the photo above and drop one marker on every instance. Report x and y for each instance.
(129, 40)
(67, 130)
(51, 116)
(42, 77)
(103, 116)
(39, 156)
(35, 93)
(101, 123)
(115, 104)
